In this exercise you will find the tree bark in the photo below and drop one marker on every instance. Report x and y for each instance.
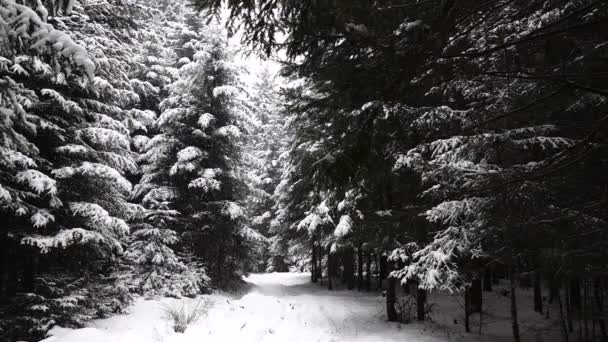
(496, 278)
(220, 262)
(313, 262)
(360, 267)
(568, 309)
(575, 293)
(599, 303)
(320, 262)
(562, 319)
(487, 280)
(585, 311)
(391, 298)
(5, 271)
(349, 269)
(368, 272)
(538, 295)
(514, 322)
(330, 271)
(476, 295)
(31, 270)
(420, 304)
(320, 266)
(467, 308)
(382, 274)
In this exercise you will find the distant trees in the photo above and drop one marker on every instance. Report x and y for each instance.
(487, 119)
(261, 164)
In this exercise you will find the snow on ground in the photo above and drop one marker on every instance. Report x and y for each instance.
(286, 307)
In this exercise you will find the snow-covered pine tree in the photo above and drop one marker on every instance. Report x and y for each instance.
(192, 161)
(74, 153)
(39, 64)
(265, 141)
(496, 108)
(155, 238)
(64, 139)
(495, 154)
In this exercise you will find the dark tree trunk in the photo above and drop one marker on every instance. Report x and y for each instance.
(553, 286)
(476, 295)
(359, 268)
(379, 272)
(320, 255)
(340, 266)
(383, 271)
(495, 278)
(599, 304)
(420, 304)
(585, 312)
(391, 298)
(568, 309)
(349, 268)
(5, 271)
(467, 308)
(514, 322)
(368, 272)
(320, 264)
(487, 280)
(313, 262)
(575, 293)
(220, 262)
(538, 295)
(330, 269)
(31, 270)
(562, 318)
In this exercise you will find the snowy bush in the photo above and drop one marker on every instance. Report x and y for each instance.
(181, 314)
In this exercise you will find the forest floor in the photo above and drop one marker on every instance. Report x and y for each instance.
(286, 307)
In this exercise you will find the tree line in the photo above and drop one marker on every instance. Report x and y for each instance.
(457, 141)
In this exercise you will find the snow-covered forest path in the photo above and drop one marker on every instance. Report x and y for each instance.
(282, 307)
(287, 307)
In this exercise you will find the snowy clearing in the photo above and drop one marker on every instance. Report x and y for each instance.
(287, 307)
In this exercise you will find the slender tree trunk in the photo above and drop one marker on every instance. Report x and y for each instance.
(220, 262)
(420, 304)
(383, 271)
(575, 293)
(496, 278)
(31, 270)
(320, 267)
(341, 267)
(514, 322)
(476, 295)
(368, 272)
(553, 289)
(467, 308)
(320, 262)
(379, 272)
(585, 310)
(313, 262)
(568, 309)
(349, 268)
(5, 270)
(360, 267)
(330, 270)
(599, 303)
(538, 295)
(391, 298)
(562, 320)
(487, 280)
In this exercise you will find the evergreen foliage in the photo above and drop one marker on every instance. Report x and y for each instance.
(455, 137)
(120, 136)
